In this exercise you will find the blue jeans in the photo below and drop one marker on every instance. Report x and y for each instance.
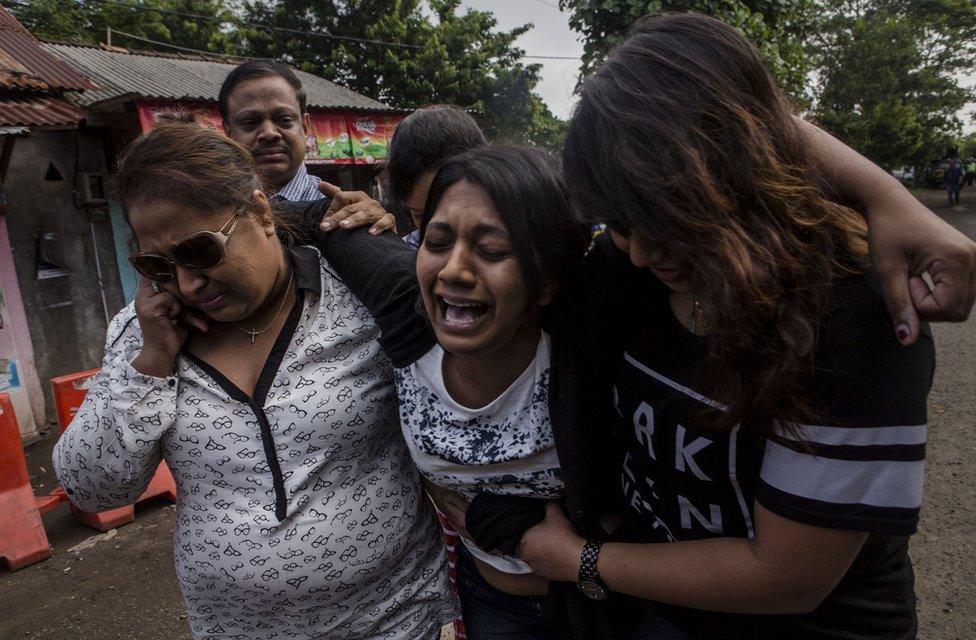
(490, 614)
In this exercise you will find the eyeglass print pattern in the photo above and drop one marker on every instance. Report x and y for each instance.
(341, 545)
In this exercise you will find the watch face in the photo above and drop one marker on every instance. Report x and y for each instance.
(592, 590)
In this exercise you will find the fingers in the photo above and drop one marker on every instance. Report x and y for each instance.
(386, 223)
(342, 200)
(359, 219)
(328, 189)
(196, 320)
(951, 296)
(354, 215)
(147, 288)
(894, 281)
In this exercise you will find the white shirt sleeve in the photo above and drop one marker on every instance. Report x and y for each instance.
(109, 453)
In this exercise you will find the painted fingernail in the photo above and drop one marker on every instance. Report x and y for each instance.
(903, 332)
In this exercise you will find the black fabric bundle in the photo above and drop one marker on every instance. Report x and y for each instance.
(498, 522)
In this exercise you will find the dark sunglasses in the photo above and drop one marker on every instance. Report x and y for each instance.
(199, 251)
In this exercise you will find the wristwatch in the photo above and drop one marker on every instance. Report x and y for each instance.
(589, 578)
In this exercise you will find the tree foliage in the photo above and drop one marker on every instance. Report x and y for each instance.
(449, 56)
(967, 145)
(777, 27)
(888, 75)
(86, 21)
(883, 75)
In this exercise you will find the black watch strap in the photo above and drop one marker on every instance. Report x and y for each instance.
(590, 582)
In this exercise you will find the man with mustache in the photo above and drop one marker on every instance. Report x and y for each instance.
(262, 105)
(263, 108)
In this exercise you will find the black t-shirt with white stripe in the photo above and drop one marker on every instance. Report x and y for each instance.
(861, 467)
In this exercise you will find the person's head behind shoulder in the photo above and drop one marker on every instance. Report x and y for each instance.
(420, 144)
(262, 105)
(684, 145)
(499, 243)
(203, 226)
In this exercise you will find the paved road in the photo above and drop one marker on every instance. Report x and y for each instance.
(125, 586)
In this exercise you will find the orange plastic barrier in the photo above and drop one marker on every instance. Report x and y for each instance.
(69, 392)
(22, 537)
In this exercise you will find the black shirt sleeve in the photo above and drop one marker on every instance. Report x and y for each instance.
(860, 465)
(380, 271)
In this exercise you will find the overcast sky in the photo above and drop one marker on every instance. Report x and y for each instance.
(969, 111)
(550, 37)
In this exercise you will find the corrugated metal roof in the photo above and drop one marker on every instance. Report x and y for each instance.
(38, 111)
(149, 75)
(24, 64)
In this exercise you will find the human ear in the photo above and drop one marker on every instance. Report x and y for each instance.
(264, 212)
(306, 123)
(548, 293)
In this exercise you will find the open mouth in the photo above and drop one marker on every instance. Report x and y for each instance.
(460, 315)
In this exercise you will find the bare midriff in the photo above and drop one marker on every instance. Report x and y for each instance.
(522, 584)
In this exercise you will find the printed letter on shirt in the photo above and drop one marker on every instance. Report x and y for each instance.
(644, 427)
(686, 454)
(687, 510)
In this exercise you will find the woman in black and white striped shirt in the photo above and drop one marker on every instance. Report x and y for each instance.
(776, 427)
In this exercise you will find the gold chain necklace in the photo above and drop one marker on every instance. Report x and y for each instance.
(256, 332)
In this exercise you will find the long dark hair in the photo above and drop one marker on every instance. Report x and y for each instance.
(526, 189)
(683, 137)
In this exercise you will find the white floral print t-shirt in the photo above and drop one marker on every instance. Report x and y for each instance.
(505, 447)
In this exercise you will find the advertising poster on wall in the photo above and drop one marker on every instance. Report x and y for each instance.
(9, 379)
(334, 138)
(149, 113)
(370, 136)
(331, 139)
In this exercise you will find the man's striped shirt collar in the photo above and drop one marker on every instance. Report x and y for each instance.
(301, 187)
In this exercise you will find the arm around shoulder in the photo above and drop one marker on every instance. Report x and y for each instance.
(906, 239)
(381, 272)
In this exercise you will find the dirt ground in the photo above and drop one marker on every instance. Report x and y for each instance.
(944, 550)
(123, 585)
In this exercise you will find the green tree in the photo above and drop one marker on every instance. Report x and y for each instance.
(777, 27)
(86, 21)
(436, 53)
(967, 145)
(887, 82)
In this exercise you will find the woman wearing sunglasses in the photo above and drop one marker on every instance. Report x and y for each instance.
(254, 373)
